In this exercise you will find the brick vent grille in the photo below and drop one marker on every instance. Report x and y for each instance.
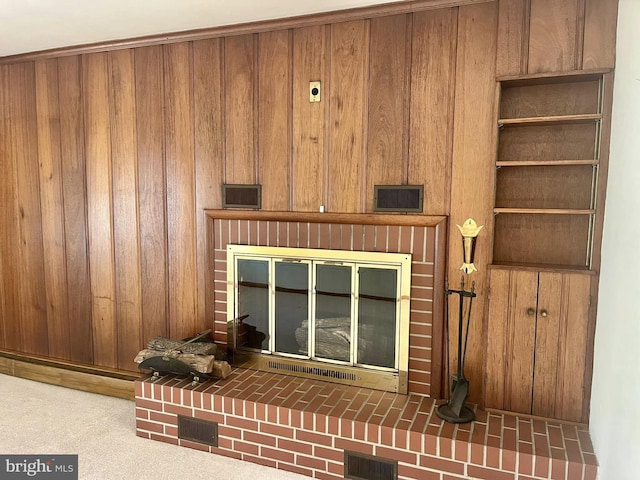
(196, 430)
(364, 467)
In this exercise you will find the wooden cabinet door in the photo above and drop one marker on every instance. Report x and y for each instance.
(537, 343)
(511, 340)
(561, 345)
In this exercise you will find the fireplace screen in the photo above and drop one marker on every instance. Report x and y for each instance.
(334, 307)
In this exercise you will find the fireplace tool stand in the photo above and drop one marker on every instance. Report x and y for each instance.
(455, 411)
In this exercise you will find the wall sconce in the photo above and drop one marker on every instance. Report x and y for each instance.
(469, 231)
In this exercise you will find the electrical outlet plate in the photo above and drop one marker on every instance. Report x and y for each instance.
(314, 92)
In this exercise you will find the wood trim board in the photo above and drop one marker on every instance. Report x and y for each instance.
(64, 374)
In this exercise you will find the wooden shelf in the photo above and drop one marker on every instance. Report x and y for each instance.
(544, 163)
(550, 120)
(545, 211)
(553, 77)
(540, 267)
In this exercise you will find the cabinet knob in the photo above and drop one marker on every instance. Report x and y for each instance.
(531, 311)
(543, 313)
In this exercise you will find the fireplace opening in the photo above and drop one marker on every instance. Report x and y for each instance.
(341, 315)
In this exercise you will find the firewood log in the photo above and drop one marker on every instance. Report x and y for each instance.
(200, 363)
(333, 338)
(163, 344)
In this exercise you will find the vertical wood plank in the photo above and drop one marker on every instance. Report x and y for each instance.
(180, 171)
(51, 205)
(126, 239)
(579, 40)
(474, 146)
(3, 323)
(600, 34)
(4, 202)
(99, 208)
(240, 88)
(209, 158)
(151, 190)
(432, 89)
(548, 336)
(553, 36)
(74, 193)
(24, 151)
(513, 37)
(497, 334)
(9, 242)
(386, 156)
(348, 104)
(309, 126)
(573, 344)
(274, 119)
(521, 341)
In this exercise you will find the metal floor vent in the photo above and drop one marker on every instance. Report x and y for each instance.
(196, 430)
(364, 467)
(320, 372)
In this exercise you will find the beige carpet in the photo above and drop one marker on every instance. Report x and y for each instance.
(36, 418)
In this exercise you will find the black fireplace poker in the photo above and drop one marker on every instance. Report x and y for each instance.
(455, 411)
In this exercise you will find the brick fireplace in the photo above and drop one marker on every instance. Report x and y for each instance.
(422, 237)
(309, 426)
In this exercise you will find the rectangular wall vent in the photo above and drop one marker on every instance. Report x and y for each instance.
(398, 198)
(199, 431)
(242, 196)
(364, 467)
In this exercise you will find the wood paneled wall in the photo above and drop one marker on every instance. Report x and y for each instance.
(550, 36)
(109, 159)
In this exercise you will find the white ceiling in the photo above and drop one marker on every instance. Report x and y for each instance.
(33, 25)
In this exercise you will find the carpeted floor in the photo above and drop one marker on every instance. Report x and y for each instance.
(36, 418)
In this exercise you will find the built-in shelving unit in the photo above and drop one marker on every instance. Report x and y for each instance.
(548, 221)
(547, 170)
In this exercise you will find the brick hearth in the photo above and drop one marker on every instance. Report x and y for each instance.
(305, 426)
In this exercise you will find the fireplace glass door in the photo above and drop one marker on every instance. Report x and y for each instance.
(291, 306)
(333, 325)
(377, 316)
(253, 302)
(322, 306)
